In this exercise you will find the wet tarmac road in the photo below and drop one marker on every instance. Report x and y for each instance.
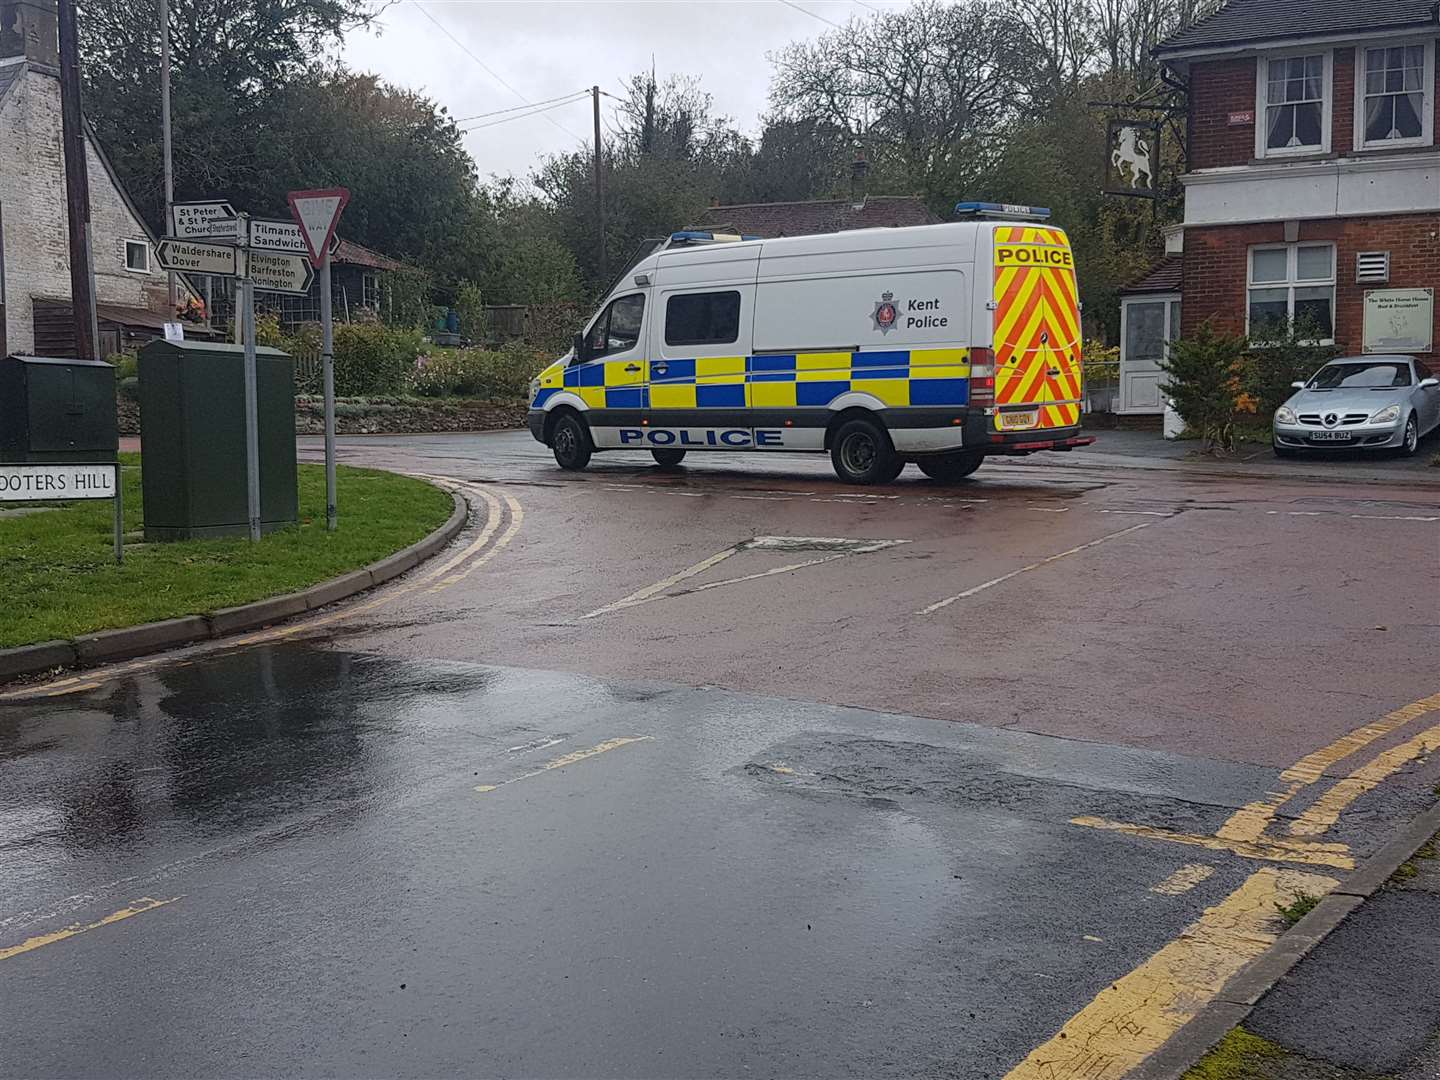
(461, 828)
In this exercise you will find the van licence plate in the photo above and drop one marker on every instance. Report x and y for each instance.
(1019, 421)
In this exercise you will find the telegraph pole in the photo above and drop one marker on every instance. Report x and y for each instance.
(77, 188)
(599, 191)
(165, 135)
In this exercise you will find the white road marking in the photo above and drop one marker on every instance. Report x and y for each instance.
(1184, 879)
(1033, 566)
(650, 591)
(1392, 517)
(764, 498)
(1142, 513)
(1049, 509)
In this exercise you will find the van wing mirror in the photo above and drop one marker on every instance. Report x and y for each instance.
(578, 346)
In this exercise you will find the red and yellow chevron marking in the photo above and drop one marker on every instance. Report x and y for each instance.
(1037, 324)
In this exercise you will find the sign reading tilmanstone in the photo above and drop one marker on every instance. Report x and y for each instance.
(190, 257)
(273, 272)
(41, 483)
(267, 235)
(204, 221)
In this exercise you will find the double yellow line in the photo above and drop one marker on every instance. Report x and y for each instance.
(1135, 1016)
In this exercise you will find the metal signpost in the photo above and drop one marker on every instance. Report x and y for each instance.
(316, 214)
(62, 483)
(212, 238)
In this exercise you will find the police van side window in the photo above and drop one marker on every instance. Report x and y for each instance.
(702, 318)
(618, 327)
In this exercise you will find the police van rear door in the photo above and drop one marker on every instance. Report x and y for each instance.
(1037, 329)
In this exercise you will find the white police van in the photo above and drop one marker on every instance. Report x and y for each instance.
(939, 344)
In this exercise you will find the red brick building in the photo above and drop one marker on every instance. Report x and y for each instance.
(1313, 184)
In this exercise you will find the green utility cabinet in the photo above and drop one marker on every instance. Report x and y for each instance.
(55, 412)
(192, 428)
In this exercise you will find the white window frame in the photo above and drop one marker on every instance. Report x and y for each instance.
(1291, 282)
(125, 254)
(1327, 102)
(1427, 87)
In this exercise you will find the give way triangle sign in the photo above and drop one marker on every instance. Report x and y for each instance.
(317, 213)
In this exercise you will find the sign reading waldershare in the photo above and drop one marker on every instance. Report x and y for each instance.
(43, 483)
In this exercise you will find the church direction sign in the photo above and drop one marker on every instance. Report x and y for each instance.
(215, 220)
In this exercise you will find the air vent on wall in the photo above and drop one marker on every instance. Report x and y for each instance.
(1372, 267)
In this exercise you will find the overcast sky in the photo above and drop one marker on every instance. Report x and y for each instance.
(545, 49)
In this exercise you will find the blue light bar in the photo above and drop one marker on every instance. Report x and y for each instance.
(691, 236)
(1002, 210)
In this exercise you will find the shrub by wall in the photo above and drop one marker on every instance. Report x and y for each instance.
(502, 374)
(371, 358)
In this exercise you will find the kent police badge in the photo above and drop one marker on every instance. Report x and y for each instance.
(885, 313)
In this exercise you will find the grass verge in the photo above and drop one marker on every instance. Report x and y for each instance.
(59, 579)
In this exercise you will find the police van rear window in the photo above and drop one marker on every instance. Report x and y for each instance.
(702, 318)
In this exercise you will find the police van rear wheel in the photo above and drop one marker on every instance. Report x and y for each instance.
(949, 468)
(668, 459)
(570, 443)
(862, 454)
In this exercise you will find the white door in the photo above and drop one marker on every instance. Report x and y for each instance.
(1147, 325)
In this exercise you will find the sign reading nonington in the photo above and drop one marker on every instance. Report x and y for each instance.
(42, 483)
(1399, 320)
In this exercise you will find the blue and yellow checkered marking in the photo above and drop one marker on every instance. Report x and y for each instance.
(898, 378)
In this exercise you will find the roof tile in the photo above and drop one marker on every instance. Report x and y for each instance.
(1244, 22)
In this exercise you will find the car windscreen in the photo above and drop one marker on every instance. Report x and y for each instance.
(1360, 376)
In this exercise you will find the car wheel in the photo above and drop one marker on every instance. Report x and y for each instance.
(1411, 440)
(951, 467)
(863, 454)
(570, 443)
(1284, 451)
(667, 459)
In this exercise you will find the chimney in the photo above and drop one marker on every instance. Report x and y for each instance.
(30, 28)
(858, 168)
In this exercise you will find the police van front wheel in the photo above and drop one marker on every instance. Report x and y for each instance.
(949, 468)
(862, 454)
(667, 459)
(570, 442)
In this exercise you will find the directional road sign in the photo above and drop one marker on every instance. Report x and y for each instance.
(204, 221)
(272, 272)
(268, 235)
(317, 212)
(190, 257)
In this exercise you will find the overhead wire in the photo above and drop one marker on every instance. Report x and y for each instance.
(488, 69)
(806, 11)
(524, 115)
(563, 98)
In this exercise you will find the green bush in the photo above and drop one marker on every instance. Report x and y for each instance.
(371, 358)
(126, 365)
(129, 388)
(1203, 378)
(1273, 364)
(500, 375)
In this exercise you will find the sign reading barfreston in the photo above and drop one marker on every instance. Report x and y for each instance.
(276, 272)
(41, 483)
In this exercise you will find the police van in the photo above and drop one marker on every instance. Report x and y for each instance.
(938, 344)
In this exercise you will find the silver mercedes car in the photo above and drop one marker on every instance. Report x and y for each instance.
(1360, 402)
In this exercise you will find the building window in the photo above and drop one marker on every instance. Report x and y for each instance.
(1393, 92)
(370, 291)
(1292, 285)
(137, 256)
(1294, 99)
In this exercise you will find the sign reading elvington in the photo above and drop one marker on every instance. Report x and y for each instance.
(39, 483)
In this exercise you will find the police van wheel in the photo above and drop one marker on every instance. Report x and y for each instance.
(950, 467)
(862, 454)
(570, 443)
(668, 459)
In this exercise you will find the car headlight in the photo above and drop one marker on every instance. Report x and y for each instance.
(1285, 415)
(1387, 415)
(534, 388)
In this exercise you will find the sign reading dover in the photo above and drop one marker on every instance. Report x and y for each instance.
(39, 483)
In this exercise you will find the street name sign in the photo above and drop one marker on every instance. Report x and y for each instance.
(204, 221)
(42, 483)
(276, 272)
(192, 257)
(317, 212)
(268, 235)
